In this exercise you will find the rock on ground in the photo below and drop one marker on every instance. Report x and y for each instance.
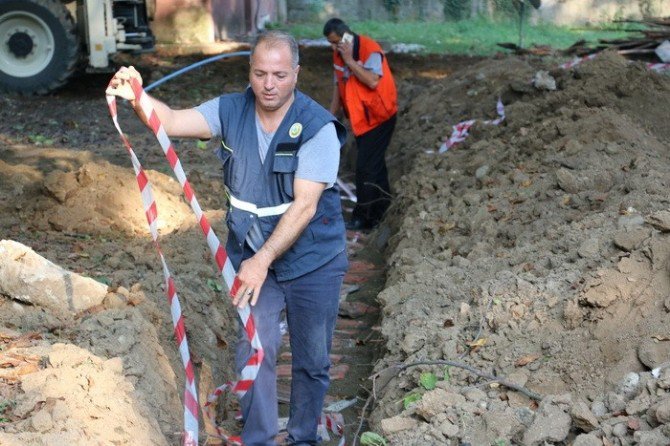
(28, 277)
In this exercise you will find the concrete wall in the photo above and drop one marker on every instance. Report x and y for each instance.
(569, 12)
(206, 21)
(180, 21)
(350, 10)
(564, 12)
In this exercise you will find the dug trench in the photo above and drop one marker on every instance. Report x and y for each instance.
(534, 252)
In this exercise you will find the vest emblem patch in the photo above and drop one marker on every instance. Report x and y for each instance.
(295, 130)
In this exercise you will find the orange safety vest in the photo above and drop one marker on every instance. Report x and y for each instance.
(365, 107)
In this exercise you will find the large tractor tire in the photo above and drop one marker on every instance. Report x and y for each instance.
(39, 45)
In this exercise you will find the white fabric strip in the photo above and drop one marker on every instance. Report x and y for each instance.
(163, 138)
(179, 173)
(228, 272)
(213, 241)
(261, 212)
(175, 310)
(195, 207)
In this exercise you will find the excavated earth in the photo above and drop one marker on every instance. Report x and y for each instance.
(533, 258)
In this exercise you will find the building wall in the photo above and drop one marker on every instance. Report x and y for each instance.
(569, 12)
(564, 12)
(206, 21)
(351, 10)
(182, 21)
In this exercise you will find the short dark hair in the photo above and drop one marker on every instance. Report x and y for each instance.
(273, 38)
(336, 26)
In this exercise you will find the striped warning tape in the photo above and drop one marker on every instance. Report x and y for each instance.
(333, 423)
(462, 129)
(658, 66)
(224, 265)
(578, 60)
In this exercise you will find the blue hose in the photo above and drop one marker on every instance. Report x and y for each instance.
(192, 66)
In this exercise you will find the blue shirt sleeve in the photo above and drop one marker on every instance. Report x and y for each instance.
(374, 64)
(210, 111)
(319, 157)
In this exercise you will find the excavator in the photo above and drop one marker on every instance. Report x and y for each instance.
(44, 42)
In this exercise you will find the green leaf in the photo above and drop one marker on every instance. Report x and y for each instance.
(410, 399)
(372, 439)
(202, 145)
(428, 380)
(214, 285)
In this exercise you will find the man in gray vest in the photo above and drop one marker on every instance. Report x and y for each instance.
(280, 154)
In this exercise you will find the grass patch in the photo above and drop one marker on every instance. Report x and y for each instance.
(5, 408)
(474, 37)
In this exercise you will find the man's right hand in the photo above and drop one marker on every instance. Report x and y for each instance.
(187, 123)
(120, 84)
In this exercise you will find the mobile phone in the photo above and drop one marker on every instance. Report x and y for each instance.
(347, 38)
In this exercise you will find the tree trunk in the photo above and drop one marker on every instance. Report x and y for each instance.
(490, 8)
(474, 8)
(481, 8)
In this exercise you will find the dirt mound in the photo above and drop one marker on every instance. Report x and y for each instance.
(99, 198)
(81, 399)
(109, 373)
(535, 250)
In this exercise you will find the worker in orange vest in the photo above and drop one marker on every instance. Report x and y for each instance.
(365, 90)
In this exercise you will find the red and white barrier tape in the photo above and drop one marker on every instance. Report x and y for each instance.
(658, 66)
(224, 265)
(578, 60)
(461, 130)
(334, 423)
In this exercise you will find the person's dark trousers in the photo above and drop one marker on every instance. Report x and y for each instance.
(311, 302)
(372, 183)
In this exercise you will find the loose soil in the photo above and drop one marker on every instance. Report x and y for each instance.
(535, 251)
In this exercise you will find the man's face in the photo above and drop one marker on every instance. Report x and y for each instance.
(272, 76)
(334, 40)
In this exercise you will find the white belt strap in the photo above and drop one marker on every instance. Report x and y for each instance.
(261, 212)
(338, 67)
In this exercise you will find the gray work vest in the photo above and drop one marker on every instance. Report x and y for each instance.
(258, 189)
